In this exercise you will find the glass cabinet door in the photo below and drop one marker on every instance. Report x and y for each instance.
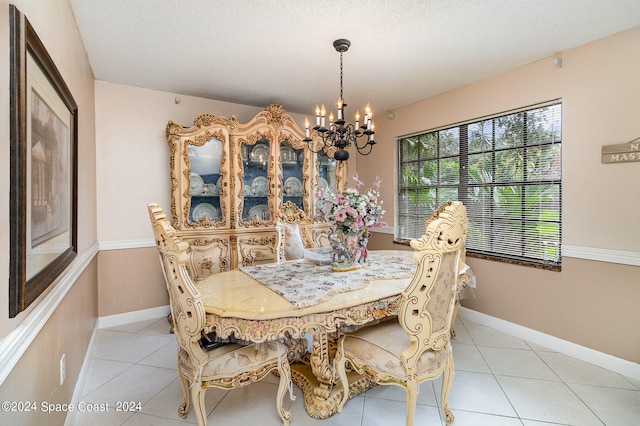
(205, 181)
(255, 189)
(292, 160)
(327, 168)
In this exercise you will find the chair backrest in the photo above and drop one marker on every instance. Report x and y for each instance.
(434, 215)
(426, 308)
(187, 309)
(291, 236)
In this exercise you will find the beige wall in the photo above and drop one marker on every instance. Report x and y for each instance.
(589, 303)
(69, 328)
(130, 280)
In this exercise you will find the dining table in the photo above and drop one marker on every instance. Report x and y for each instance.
(307, 306)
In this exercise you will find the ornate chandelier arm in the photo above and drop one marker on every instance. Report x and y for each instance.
(361, 149)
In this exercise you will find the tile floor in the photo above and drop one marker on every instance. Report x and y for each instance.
(499, 380)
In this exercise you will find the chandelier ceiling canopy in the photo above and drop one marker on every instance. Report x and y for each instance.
(339, 133)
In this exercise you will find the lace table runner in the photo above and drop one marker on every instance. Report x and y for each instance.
(305, 284)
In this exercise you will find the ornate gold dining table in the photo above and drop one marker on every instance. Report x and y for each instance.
(239, 305)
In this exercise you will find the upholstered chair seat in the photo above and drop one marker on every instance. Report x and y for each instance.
(381, 348)
(227, 365)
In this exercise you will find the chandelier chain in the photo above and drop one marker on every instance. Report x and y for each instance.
(341, 77)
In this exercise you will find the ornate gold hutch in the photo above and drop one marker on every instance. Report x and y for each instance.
(228, 180)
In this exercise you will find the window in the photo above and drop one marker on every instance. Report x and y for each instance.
(506, 169)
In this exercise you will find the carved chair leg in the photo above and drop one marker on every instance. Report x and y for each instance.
(411, 391)
(454, 315)
(184, 384)
(447, 379)
(284, 370)
(197, 396)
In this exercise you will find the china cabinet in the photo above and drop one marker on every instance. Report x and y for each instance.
(229, 179)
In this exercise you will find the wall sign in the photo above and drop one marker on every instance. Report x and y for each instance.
(621, 153)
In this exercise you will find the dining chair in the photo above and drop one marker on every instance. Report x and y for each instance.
(415, 347)
(226, 366)
(291, 236)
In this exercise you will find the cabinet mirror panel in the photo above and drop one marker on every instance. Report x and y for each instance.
(205, 180)
(327, 168)
(292, 160)
(255, 188)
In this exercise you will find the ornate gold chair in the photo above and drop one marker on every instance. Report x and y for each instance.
(291, 237)
(227, 366)
(417, 347)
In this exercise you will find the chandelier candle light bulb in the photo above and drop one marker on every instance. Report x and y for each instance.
(367, 116)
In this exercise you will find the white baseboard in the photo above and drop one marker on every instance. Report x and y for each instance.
(610, 362)
(82, 377)
(135, 316)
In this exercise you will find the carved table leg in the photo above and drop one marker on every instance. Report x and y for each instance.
(321, 366)
(317, 379)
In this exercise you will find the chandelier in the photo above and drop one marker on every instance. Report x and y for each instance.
(338, 133)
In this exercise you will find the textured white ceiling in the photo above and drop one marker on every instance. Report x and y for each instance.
(260, 52)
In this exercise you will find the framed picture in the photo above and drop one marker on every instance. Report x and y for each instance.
(43, 169)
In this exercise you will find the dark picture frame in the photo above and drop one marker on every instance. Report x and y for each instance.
(44, 168)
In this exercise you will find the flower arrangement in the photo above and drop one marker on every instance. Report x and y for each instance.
(350, 211)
